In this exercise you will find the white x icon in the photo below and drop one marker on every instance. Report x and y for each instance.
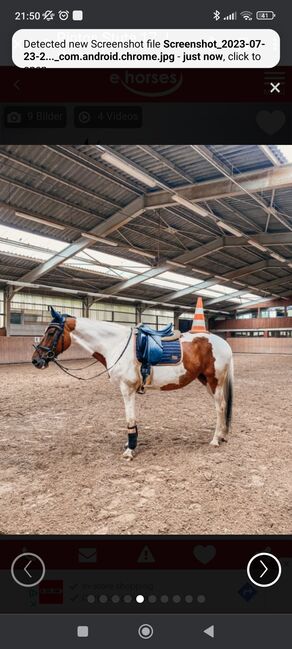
(275, 87)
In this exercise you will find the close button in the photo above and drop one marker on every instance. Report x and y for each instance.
(264, 569)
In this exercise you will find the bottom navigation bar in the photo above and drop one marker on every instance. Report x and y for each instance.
(110, 631)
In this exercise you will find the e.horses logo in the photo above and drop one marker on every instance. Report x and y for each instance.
(148, 84)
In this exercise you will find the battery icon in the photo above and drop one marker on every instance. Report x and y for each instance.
(265, 15)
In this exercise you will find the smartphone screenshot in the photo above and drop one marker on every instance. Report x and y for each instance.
(145, 325)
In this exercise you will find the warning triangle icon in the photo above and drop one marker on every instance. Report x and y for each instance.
(146, 556)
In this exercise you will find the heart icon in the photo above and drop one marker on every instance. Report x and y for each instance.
(204, 553)
(270, 121)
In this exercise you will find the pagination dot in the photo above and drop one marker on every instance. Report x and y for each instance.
(201, 599)
(140, 599)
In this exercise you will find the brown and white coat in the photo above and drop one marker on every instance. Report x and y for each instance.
(205, 357)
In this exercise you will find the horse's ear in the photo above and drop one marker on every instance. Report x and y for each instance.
(56, 315)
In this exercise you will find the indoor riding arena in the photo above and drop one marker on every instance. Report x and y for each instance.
(135, 234)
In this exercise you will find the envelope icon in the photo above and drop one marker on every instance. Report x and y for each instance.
(87, 555)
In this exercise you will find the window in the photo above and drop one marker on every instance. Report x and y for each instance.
(244, 316)
(15, 318)
(247, 334)
(31, 318)
(280, 334)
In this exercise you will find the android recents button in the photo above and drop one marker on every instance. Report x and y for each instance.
(82, 632)
(108, 116)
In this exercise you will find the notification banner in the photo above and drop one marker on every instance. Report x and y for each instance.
(172, 48)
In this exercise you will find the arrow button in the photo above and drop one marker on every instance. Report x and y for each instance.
(264, 569)
(210, 631)
(28, 569)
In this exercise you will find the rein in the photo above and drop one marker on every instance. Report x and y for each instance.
(96, 376)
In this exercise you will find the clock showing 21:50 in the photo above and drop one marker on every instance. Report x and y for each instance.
(27, 15)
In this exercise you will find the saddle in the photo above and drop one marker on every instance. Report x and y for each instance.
(156, 347)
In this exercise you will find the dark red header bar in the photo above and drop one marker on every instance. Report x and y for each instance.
(145, 85)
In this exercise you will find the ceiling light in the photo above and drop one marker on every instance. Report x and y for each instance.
(278, 257)
(175, 263)
(128, 169)
(124, 299)
(168, 304)
(142, 253)
(230, 228)
(257, 245)
(30, 217)
(108, 242)
(202, 272)
(190, 206)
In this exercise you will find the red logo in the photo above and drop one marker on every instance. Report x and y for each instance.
(148, 84)
(51, 591)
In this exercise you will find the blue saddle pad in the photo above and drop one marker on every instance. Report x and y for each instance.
(171, 352)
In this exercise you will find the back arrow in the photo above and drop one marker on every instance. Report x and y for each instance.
(265, 569)
(26, 569)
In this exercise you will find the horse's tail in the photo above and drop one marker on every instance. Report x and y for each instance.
(228, 393)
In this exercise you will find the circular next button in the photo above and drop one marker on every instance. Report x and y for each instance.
(264, 569)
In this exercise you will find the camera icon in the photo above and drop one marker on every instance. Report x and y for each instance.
(13, 117)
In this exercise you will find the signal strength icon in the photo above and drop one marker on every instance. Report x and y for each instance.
(232, 16)
(246, 15)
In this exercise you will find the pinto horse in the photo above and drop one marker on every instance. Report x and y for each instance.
(205, 357)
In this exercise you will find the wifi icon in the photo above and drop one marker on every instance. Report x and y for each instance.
(246, 15)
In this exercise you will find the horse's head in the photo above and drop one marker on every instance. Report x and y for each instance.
(57, 339)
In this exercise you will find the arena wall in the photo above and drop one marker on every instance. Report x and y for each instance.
(18, 349)
(248, 324)
(261, 345)
(256, 335)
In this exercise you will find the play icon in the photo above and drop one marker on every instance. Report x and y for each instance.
(210, 631)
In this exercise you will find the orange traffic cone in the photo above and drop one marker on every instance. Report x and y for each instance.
(199, 324)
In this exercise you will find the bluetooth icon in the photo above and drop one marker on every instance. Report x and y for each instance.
(216, 15)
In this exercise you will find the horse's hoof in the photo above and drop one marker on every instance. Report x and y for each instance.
(128, 454)
(214, 442)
